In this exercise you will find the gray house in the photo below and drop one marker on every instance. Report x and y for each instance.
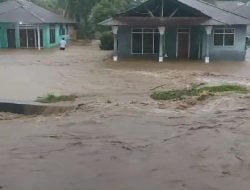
(179, 29)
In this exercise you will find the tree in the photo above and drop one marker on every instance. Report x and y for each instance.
(108, 8)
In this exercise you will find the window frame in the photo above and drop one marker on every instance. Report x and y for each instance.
(143, 31)
(52, 27)
(224, 33)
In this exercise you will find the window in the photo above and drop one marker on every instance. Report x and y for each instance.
(52, 34)
(224, 37)
(248, 41)
(62, 30)
(145, 41)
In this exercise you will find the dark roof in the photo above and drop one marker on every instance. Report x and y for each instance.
(215, 15)
(16, 11)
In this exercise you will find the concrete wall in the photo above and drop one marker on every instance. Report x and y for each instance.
(235, 53)
(197, 44)
(3, 34)
(171, 42)
(46, 36)
(72, 32)
(124, 42)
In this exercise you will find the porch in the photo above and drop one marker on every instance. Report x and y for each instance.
(196, 42)
(32, 35)
(184, 42)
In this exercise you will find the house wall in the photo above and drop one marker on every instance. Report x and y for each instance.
(124, 42)
(171, 47)
(198, 41)
(236, 52)
(72, 32)
(46, 35)
(3, 34)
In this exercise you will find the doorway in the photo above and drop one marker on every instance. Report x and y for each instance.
(11, 36)
(183, 43)
(29, 38)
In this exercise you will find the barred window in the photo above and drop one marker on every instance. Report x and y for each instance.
(52, 34)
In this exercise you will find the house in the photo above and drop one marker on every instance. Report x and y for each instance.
(26, 25)
(179, 29)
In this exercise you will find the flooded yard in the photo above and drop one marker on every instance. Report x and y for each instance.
(118, 137)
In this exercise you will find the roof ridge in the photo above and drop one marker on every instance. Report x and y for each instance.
(204, 2)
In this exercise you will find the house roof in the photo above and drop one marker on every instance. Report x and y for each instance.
(237, 7)
(16, 11)
(229, 5)
(215, 15)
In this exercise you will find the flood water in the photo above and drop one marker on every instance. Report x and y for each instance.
(118, 137)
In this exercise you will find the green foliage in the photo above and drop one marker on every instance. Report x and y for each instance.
(108, 8)
(51, 98)
(107, 41)
(196, 91)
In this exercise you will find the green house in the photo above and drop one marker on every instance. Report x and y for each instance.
(26, 25)
(179, 29)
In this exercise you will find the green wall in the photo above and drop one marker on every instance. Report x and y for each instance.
(46, 35)
(3, 32)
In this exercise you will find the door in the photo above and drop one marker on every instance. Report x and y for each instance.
(11, 35)
(23, 38)
(183, 45)
(31, 38)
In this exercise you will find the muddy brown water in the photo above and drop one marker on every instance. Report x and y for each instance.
(118, 138)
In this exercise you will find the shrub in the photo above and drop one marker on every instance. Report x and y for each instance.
(201, 92)
(51, 98)
(107, 41)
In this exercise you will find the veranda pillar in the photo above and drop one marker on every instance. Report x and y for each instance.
(38, 38)
(115, 32)
(17, 35)
(161, 31)
(208, 33)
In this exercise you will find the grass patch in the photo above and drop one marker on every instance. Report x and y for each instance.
(51, 98)
(197, 91)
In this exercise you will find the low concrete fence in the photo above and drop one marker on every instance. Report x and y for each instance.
(32, 109)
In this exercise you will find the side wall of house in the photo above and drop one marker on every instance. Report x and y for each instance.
(3, 35)
(46, 36)
(124, 41)
(236, 52)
